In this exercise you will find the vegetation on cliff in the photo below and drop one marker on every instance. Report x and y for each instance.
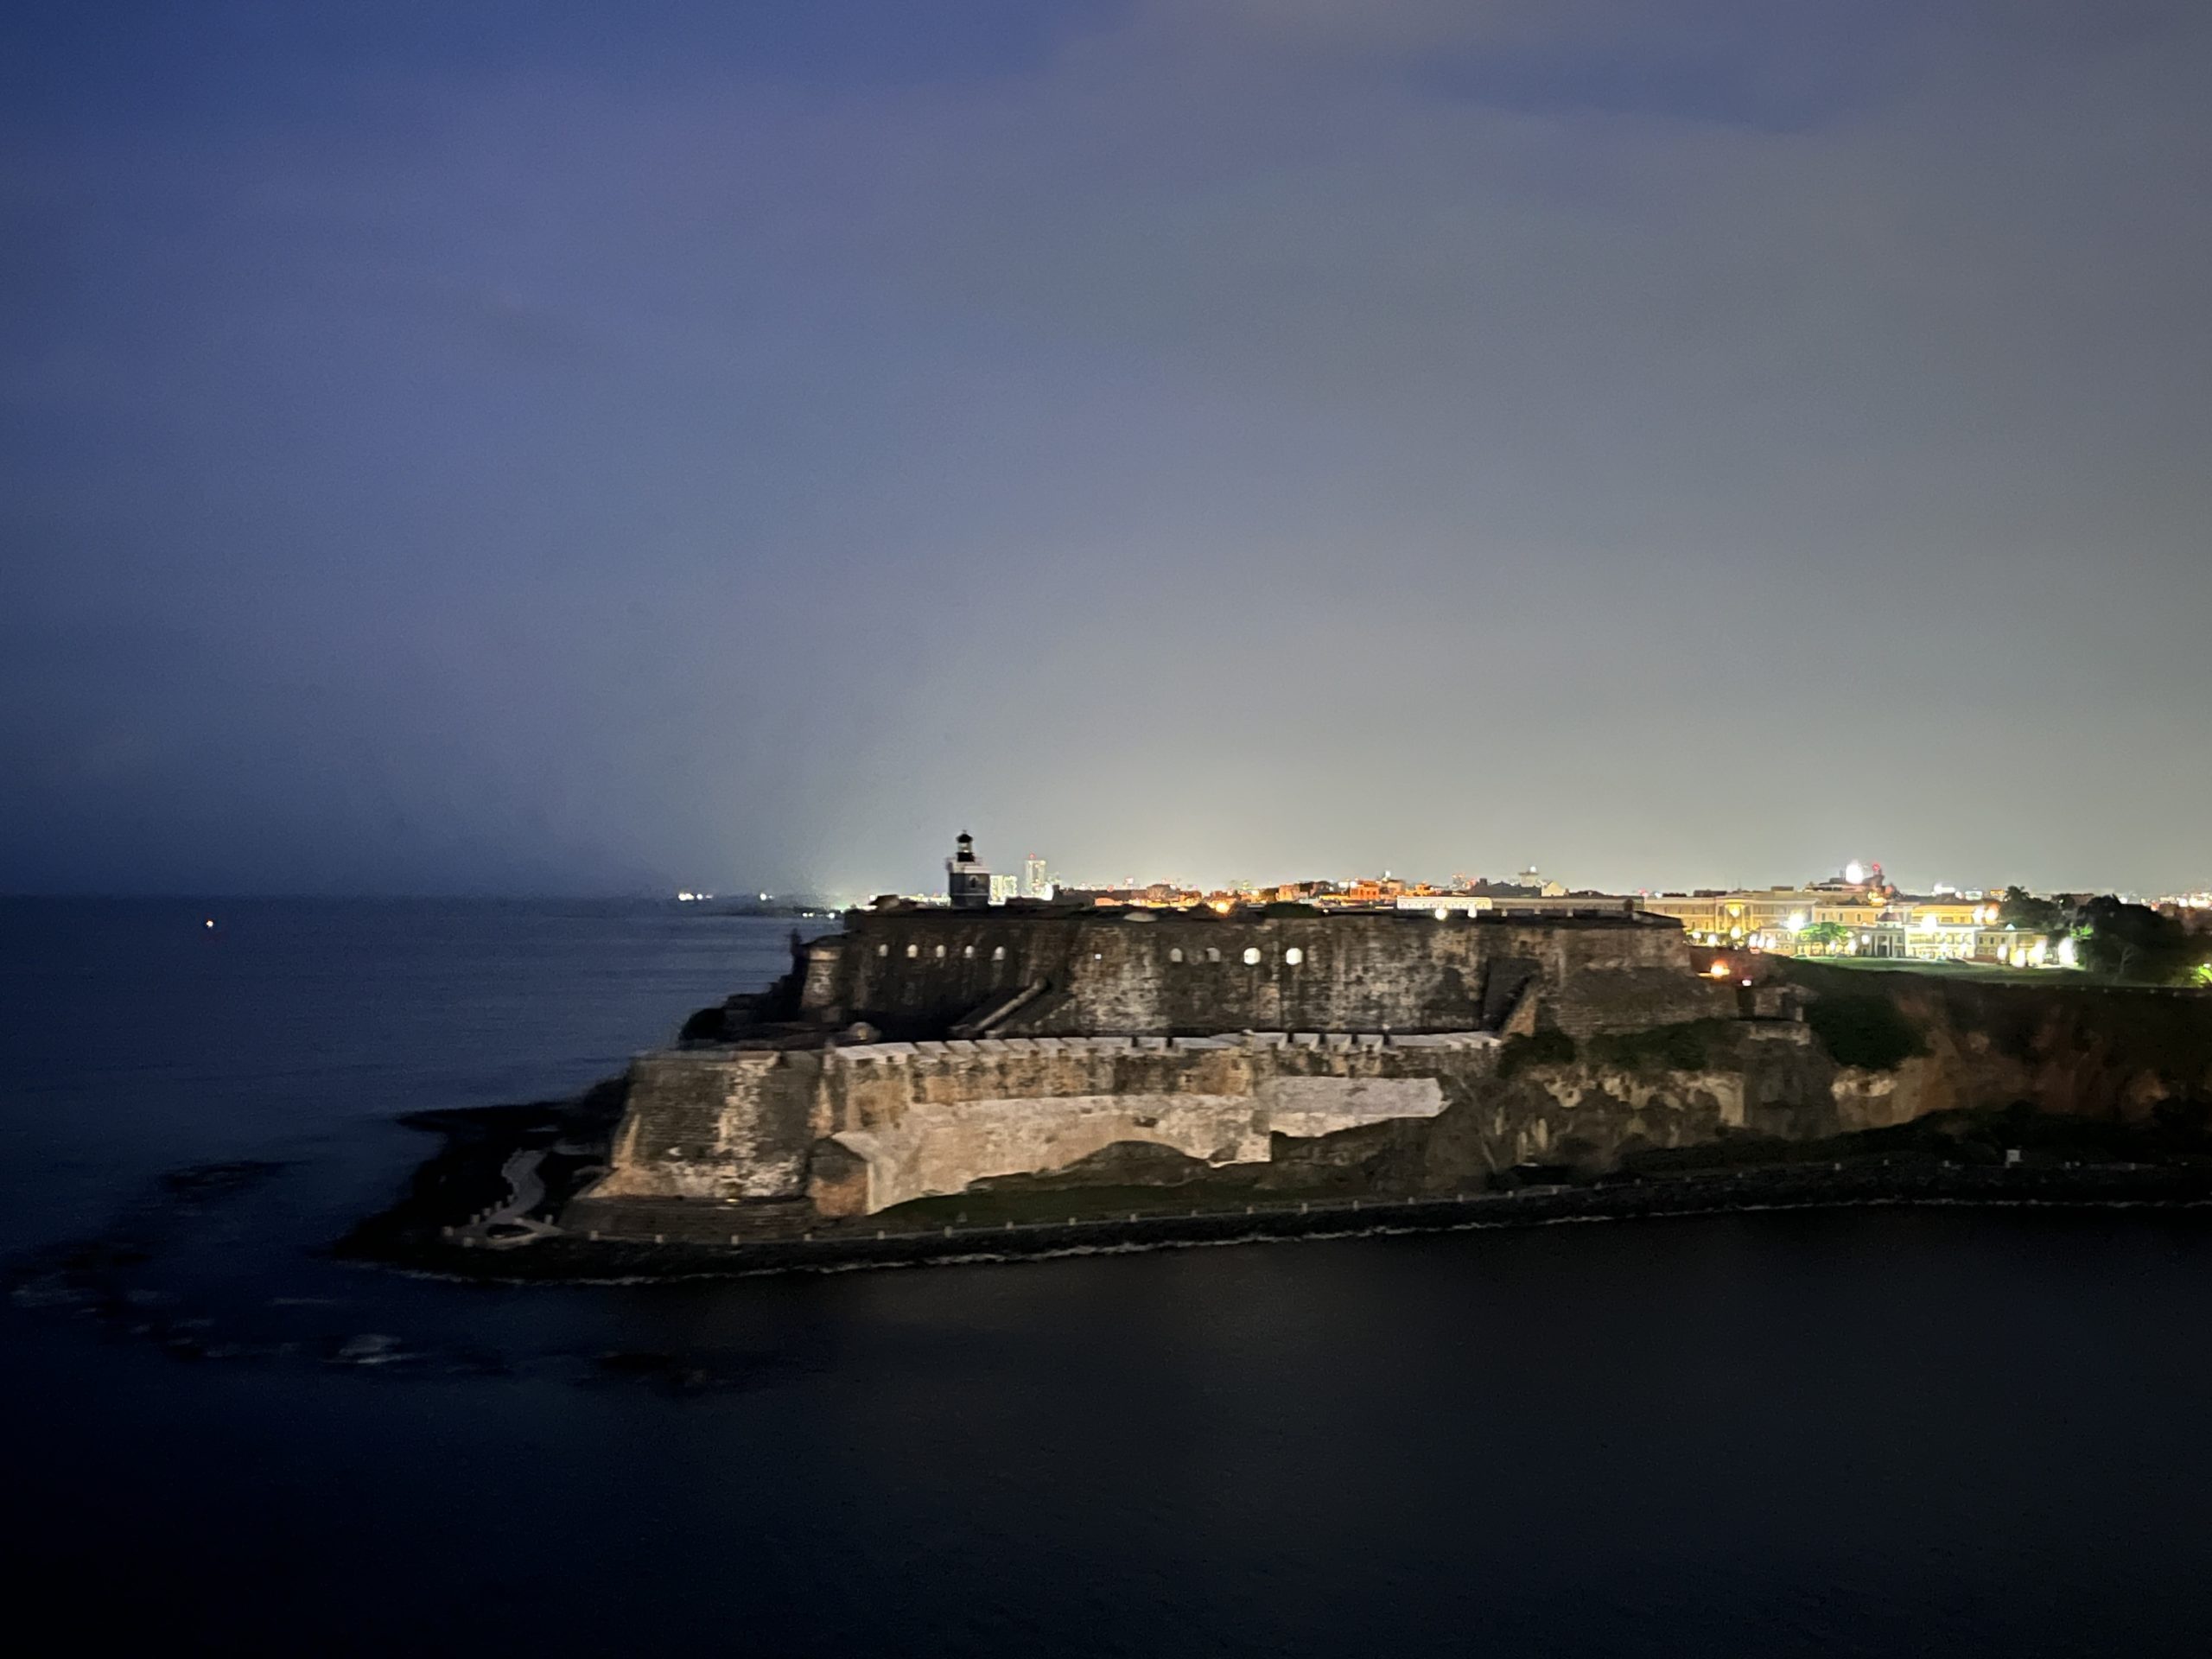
(1687, 1045)
(1864, 1029)
(2149, 1031)
(2068, 1046)
(2135, 943)
(1546, 1047)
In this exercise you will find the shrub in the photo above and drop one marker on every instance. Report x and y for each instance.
(1545, 1048)
(2133, 942)
(1865, 1031)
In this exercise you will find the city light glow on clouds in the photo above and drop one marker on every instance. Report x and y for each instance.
(585, 447)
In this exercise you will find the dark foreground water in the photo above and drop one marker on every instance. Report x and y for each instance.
(1881, 1432)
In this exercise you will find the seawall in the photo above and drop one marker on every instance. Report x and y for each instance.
(778, 1139)
(853, 1129)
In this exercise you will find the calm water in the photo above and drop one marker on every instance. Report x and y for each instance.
(1947, 1433)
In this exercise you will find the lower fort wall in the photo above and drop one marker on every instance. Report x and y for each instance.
(856, 1130)
(716, 1125)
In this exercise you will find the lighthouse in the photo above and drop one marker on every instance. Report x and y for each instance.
(966, 882)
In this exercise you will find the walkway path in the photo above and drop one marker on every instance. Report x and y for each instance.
(525, 1191)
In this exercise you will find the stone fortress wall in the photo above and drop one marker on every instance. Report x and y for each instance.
(1025, 1043)
(856, 1128)
(918, 972)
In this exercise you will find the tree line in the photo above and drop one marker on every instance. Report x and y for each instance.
(2115, 939)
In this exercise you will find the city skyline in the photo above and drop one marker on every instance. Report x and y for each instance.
(1040, 878)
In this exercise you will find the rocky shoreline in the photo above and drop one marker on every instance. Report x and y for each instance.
(690, 1240)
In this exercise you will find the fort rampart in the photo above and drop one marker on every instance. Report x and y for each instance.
(920, 1051)
(918, 973)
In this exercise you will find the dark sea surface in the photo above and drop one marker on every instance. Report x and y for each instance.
(1878, 1431)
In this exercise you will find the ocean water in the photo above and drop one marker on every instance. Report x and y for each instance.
(1874, 1432)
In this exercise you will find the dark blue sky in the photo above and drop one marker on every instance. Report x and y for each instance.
(525, 448)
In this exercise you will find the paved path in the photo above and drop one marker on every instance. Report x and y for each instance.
(525, 1191)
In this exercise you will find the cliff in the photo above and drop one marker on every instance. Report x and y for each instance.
(2062, 1047)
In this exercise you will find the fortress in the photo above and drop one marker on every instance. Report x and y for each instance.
(928, 974)
(923, 1050)
(990, 1079)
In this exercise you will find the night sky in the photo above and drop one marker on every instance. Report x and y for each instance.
(591, 448)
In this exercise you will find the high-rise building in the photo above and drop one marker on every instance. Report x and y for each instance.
(1034, 885)
(1004, 888)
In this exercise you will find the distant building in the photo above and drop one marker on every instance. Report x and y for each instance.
(1555, 900)
(1035, 884)
(1837, 919)
(1766, 918)
(1004, 888)
(1367, 892)
(1532, 880)
(966, 882)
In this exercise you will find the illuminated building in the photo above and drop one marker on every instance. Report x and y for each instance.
(1446, 904)
(1767, 918)
(1836, 918)
(1371, 890)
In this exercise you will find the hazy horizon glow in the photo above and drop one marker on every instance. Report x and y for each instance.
(584, 447)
